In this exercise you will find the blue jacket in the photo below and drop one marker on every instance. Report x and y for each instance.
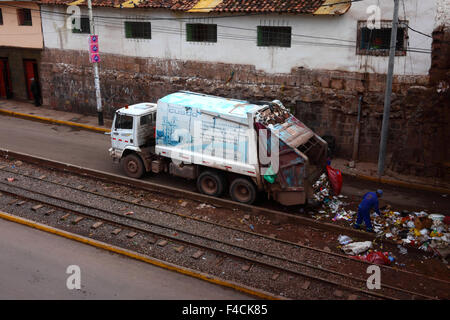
(370, 200)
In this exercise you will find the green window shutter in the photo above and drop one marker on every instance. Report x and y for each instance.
(189, 30)
(128, 29)
(260, 36)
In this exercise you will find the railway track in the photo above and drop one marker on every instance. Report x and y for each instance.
(308, 266)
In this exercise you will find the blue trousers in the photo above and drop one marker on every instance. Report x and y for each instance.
(364, 215)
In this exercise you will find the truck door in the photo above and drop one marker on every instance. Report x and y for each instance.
(122, 131)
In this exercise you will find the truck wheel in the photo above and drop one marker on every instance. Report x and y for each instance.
(133, 166)
(242, 190)
(210, 183)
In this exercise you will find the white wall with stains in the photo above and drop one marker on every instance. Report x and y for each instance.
(318, 42)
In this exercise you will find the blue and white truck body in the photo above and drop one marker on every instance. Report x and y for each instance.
(224, 143)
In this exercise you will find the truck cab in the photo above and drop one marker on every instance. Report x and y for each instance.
(133, 138)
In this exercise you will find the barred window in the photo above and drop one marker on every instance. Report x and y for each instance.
(24, 17)
(377, 41)
(138, 30)
(274, 36)
(201, 32)
(84, 26)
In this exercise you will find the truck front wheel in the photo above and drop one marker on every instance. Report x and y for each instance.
(210, 183)
(242, 190)
(133, 166)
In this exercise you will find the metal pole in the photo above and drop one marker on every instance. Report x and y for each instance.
(388, 92)
(358, 125)
(96, 77)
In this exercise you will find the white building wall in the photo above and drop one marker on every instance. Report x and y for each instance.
(236, 43)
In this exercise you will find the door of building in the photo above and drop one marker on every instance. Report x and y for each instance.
(31, 72)
(5, 79)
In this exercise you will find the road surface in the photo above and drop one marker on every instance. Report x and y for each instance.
(33, 265)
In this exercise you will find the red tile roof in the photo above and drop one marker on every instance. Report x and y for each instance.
(230, 6)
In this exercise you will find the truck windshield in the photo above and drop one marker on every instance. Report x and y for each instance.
(123, 122)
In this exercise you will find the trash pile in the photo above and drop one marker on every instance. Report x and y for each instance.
(429, 232)
(276, 113)
(418, 229)
(332, 206)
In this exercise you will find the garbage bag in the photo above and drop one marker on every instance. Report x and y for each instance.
(335, 177)
(344, 239)
(357, 247)
(270, 176)
(375, 257)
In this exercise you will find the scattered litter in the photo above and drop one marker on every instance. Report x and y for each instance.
(183, 204)
(10, 179)
(357, 247)
(376, 257)
(438, 217)
(402, 249)
(344, 239)
(129, 213)
(204, 205)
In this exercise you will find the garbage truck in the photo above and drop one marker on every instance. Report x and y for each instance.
(232, 146)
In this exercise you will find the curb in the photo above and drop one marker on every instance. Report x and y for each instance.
(397, 183)
(140, 257)
(50, 120)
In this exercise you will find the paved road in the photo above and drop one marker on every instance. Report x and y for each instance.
(90, 149)
(33, 265)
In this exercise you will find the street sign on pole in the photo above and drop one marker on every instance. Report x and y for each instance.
(94, 56)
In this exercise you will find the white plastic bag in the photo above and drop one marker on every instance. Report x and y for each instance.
(344, 239)
(357, 247)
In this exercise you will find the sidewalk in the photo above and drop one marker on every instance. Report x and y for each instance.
(28, 110)
(362, 170)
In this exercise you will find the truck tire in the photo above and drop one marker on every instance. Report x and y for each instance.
(132, 166)
(211, 183)
(242, 190)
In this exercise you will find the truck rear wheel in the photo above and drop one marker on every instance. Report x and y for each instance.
(133, 166)
(242, 190)
(210, 183)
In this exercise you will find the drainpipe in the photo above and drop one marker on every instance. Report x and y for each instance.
(356, 136)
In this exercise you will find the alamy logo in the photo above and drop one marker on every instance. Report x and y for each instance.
(374, 281)
(374, 20)
(74, 20)
(74, 280)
